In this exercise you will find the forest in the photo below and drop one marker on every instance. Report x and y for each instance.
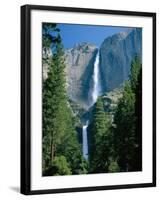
(114, 139)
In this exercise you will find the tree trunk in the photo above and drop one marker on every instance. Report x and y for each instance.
(53, 148)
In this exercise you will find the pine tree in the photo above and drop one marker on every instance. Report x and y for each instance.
(128, 133)
(137, 166)
(136, 84)
(60, 142)
(125, 128)
(54, 100)
(59, 167)
(99, 136)
(135, 70)
(49, 94)
(70, 147)
(49, 36)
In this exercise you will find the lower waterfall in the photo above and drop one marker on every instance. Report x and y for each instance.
(85, 141)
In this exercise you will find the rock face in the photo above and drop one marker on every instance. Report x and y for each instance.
(46, 60)
(116, 54)
(79, 70)
(111, 99)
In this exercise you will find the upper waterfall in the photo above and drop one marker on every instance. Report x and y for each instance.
(96, 80)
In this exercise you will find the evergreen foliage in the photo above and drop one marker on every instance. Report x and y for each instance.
(59, 167)
(138, 133)
(125, 128)
(99, 147)
(113, 167)
(135, 73)
(128, 122)
(60, 143)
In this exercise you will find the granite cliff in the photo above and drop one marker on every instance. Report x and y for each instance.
(116, 54)
(79, 70)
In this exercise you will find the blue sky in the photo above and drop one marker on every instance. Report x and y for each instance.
(73, 33)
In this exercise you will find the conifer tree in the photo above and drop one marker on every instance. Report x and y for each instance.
(60, 142)
(128, 133)
(99, 135)
(125, 128)
(137, 166)
(135, 71)
(49, 98)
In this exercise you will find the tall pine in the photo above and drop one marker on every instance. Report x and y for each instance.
(124, 133)
(61, 150)
(99, 139)
(128, 116)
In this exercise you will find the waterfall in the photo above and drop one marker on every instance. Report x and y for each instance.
(96, 77)
(94, 95)
(85, 141)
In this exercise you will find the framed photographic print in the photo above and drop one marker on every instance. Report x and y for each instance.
(88, 99)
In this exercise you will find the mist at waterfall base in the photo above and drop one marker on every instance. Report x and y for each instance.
(94, 95)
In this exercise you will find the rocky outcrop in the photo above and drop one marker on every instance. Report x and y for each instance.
(111, 99)
(116, 54)
(46, 61)
(79, 70)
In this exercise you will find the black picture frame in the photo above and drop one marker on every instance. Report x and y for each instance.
(26, 98)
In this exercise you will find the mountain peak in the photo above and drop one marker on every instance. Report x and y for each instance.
(122, 35)
(84, 46)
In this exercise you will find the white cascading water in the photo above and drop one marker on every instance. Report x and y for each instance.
(96, 84)
(85, 141)
(94, 95)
